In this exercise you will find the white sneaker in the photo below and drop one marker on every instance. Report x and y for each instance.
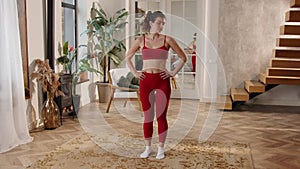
(160, 153)
(146, 153)
(160, 156)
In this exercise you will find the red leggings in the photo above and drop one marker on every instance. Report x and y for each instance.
(154, 89)
(194, 61)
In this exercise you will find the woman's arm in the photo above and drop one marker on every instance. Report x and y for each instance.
(177, 49)
(131, 52)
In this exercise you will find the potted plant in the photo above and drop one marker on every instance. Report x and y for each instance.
(75, 67)
(102, 46)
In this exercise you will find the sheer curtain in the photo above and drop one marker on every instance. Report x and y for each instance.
(13, 124)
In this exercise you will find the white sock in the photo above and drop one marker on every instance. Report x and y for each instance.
(160, 153)
(146, 153)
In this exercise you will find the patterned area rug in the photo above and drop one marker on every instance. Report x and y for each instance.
(85, 152)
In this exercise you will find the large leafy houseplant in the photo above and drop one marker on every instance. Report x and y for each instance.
(103, 47)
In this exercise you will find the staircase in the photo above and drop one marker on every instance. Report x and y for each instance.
(284, 66)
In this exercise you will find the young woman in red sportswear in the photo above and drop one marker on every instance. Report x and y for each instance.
(155, 87)
(191, 49)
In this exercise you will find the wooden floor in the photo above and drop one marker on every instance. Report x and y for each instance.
(273, 132)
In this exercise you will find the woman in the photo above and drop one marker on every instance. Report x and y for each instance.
(155, 78)
(191, 49)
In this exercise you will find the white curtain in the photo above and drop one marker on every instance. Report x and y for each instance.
(13, 124)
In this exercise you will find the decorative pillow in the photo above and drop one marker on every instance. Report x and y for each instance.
(123, 82)
(133, 80)
(130, 76)
(132, 86)
(129, 81)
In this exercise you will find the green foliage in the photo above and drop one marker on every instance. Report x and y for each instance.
(73, 66)
(102, 44)
(63, 60)
(67, 56)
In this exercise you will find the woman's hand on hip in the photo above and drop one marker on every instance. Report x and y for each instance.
(166, 74)
(139, 75)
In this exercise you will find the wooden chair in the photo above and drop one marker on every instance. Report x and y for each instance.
(174, 82)
(113, 76)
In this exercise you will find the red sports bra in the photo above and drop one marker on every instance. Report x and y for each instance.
(155, 53)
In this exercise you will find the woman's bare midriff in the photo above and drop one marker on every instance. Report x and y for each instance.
(152, 70)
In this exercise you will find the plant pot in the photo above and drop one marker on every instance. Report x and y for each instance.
(83, 76)
(76, 103)
(103, 91)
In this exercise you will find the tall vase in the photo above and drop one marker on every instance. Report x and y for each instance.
(50, 113)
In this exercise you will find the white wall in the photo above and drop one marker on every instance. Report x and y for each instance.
(36, 50)
(112, 6)
(58, 31)
(209, 73)
(83, 14)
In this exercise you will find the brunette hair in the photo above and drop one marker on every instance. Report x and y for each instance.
(151, 16)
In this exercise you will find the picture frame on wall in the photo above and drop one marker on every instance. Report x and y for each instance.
(21, 4)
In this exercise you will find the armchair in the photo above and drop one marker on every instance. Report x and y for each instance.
(113, 77)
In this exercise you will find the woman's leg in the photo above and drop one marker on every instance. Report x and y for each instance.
(194, 63)
(147, 100)
(162, 98)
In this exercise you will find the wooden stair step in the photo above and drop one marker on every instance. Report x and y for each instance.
(292, 16)
(279, 79)
(254, 86)
(286, 53)
(285, 63)
(295, 3)
(262, 77)
(292, 72)
(239, 94)
(290, 30)
(288, 42)
(224, 102)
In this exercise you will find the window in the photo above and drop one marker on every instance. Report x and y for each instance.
(69, 29)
